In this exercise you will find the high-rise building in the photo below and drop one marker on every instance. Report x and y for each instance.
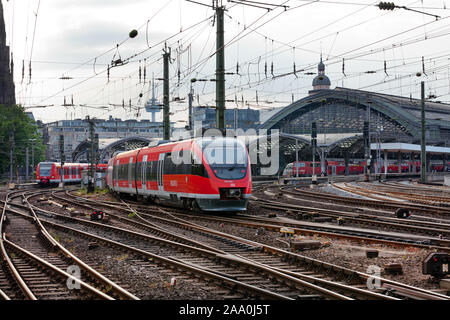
(7, 90)
(234, 118)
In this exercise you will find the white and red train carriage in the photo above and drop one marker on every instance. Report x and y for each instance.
(50, 173)
(210, 174)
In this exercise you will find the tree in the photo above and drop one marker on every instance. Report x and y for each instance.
(17, 132)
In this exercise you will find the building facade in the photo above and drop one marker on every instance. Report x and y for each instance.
(7, 90)
(342, 115)
(76, 132)
(234, 118)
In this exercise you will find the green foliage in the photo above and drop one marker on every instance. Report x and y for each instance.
(15, 122)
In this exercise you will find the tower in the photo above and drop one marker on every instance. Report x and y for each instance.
(152, 105)
(321, 81)
(7, 90)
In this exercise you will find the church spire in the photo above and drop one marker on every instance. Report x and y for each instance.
(2, 27)
(7, 89)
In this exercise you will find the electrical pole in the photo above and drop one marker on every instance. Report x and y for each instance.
(28, 166)
(62, 157)
(220, 67)
(366, 150)
(423, 155)
(97, 154)
(314, 144)
(191, 98)
(11, 153)
(32, 157)
(91, 187)
(166, 108)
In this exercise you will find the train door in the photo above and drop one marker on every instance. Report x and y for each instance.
(116, 178)
(160, 172)
(333, 170)
(130, 175)
(144, 174)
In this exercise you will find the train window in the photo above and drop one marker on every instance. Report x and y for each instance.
(132, 171)
(183, 162)
(45, 169)
(114, 172)
(199, 170)
(150, 171)
(169, 166)
(125, 171)
(147, 170)
(122, 172)
(154, 172)
(197, 167)
(228, 160)
(138, 173)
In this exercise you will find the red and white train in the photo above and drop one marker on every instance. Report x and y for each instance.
(50, 173)
(209, 174)
(305, 168)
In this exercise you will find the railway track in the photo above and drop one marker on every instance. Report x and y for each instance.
(360, 214)
(336, 231)
(268, 257)
(210, 264)
(442, 190)
(385, 192)
(42, 268)
(384, 207)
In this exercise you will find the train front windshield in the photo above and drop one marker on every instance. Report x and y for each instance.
(227, 158)
(45, 169)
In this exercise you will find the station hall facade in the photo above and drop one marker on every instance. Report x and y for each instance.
(341, 116)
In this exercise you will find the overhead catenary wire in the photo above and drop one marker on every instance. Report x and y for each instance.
(202, 64)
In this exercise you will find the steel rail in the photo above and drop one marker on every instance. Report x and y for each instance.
(260, 291)
(15, 274)
(413, 225)
(57, 270)
(107, 282)
(364, 204)
(274, 272)
(396, 195)
(232, 283)
(327, 265)
(281, 252)
(371, 235)
(4, 296)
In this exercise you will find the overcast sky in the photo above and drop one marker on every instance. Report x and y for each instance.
(78, 39)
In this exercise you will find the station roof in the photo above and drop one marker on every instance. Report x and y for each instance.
(406, 147)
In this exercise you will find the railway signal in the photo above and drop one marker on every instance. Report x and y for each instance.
(436, 264)
(97, 215)
(402, 213)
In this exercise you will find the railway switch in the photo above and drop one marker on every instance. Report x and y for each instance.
(436, 264)
(97, 215)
